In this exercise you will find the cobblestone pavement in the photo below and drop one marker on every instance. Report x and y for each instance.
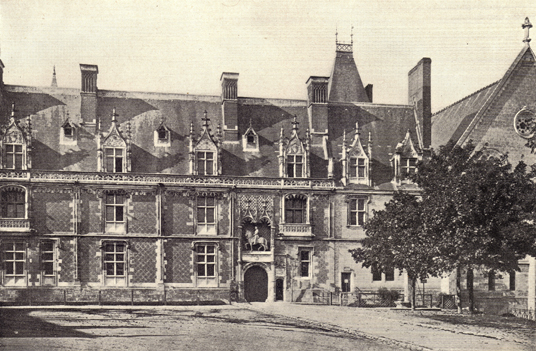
(412, 330)
(168, 328)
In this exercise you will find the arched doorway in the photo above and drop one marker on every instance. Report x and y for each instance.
(256, 284)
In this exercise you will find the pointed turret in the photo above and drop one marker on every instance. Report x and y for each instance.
(345, 83)
(54, 83)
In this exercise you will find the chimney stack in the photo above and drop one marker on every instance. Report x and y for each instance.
(419, 96)
(229, 104)
(88, 93)
(317, 108)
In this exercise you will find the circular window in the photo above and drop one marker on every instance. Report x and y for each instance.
(524, 123)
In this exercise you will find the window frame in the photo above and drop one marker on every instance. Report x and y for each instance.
(357, 215)
(115, 158)
(305, 213)
(305, 262)
(209, 263)
(376, 273)
(16, 261)
(356, 167)
(4, 206)
(406, 168)
(48, 278)
(11, 159)
(113, 225)
(201, 158)
(111, 257)
(202, 205)
(293, 166)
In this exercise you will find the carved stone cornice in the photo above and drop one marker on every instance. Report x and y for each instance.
(152, 179)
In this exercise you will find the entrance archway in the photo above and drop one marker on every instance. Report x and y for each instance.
(256, 284)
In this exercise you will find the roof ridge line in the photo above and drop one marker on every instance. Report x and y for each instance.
(466, 97)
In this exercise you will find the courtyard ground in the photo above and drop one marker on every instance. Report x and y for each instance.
(257, 326)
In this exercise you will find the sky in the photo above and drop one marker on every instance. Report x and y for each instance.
(275, 46)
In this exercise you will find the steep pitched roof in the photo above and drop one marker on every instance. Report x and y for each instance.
(450, 122)
(458, 121)
(345, 83)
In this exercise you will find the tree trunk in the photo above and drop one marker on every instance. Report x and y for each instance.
(470, 290)
(459, 289)
(413, 293)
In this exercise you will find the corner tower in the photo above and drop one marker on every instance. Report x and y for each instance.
(345, 83)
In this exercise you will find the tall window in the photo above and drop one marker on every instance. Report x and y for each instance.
(115, 263)
(13, 203)
(14, 253)
(305, 263)
(205, 163)
(358, 167)
(295, 166)
(408, 166)
(114, 159)
(296, 209)
(206, 215)
(206, 265)
(512, 279)
(115, 213)
(14, 156)
(357, 212)
(47, 262)
(376, 273)
(390, 274)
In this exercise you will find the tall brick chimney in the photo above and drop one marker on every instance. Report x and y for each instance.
(419, 96)
(317, 107)
(88, 93)
(229, 105)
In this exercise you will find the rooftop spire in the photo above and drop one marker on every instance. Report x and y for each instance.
(205, 120)
(526, 26)
(54, 82)
(295, 123)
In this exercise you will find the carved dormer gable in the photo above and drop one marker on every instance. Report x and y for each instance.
(405, 158)
(205, 153)
(162, 136)
(68, 133)
(250, 140)
(16, 144)
(294, 154)
(114, 149)
(355, 161)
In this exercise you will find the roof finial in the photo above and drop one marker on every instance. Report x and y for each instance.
(357, 128)
(114, 116)
(526, 26)
(336, 34)
(54, 82)
(205, 120)
(295, 123)
(352, 36)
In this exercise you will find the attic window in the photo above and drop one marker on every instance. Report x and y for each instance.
(162, 136)
(250, 140)
(68, 131)
(68, 134)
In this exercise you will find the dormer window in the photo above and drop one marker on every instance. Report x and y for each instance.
(68, 134)
(405, 159)
(250, 140)
(114, 152)
(162, 136)
(15, 143)
(205, 153)
(356, 160)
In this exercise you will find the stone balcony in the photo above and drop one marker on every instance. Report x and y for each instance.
(14, 225)
(296, 230)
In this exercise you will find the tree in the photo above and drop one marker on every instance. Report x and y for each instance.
(481, 208)
(474, 212)
(396, 239)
